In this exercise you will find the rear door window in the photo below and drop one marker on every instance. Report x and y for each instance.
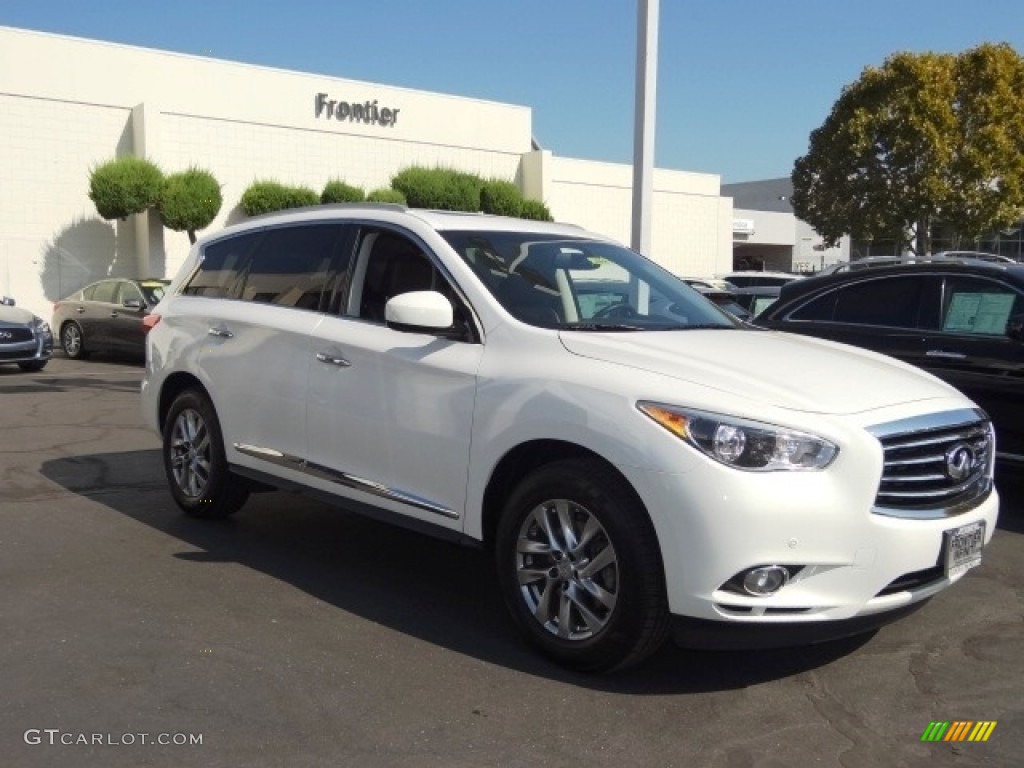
(290, 266)
(105, 291)
(893, 302)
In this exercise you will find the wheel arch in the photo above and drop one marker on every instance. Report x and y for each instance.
(523, 459)
(175, 384)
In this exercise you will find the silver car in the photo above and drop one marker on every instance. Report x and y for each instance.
(25, 339)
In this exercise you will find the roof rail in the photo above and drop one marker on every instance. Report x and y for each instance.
(331, 207)
(945, 257)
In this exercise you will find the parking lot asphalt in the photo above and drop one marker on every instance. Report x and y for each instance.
(298, 634)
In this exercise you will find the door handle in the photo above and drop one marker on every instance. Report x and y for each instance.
(80, 310)
(222, 333)
(945, 355)
(113, 314)
(341, 362)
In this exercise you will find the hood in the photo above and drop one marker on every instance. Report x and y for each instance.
(15, 316)
(777, 369)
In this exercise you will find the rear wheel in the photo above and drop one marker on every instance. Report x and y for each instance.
(580, 568)
(195, 462)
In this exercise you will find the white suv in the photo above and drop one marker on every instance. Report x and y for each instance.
(637, 460)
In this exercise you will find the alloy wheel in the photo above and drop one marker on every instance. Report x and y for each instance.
(190, 453)
(567, 569)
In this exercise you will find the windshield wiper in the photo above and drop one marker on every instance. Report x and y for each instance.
(601, 327)
(706, 327)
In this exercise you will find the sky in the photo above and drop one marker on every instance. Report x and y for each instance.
(740, 86)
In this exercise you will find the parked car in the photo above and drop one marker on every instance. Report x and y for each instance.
(639, 462)
(106, 316)
(25, 339)
(747, 279)
(757, 298)
(724, 299)
(960, 320)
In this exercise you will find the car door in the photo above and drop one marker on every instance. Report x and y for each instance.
(124, 326)
(390, 412)
(970, 348)
(257, 346)
(95, 315)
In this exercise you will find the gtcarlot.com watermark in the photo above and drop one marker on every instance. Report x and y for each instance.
(57, 737)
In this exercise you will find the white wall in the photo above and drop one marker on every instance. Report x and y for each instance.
(691, 222)
(67, 104)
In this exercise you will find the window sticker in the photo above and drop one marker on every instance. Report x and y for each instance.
(981, 313)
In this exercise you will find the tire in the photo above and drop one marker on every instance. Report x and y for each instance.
(586, 619)
(72, 341)
(33, 365)
(195, 462)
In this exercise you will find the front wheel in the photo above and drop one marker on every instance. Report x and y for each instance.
(73, 341)
(194, 460)
(580, 567)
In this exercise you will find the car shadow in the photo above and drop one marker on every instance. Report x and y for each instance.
(430, 589)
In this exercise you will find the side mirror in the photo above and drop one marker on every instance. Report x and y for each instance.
(419, 312)
(135, 304)
(1015, 328)
(7, 301)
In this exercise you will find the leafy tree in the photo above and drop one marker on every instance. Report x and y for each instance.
(924, 138)
(386, 195)
(337, 191)
(536, 210)
(189, 201)
(125, 186)
(268, 196)
(501, 197)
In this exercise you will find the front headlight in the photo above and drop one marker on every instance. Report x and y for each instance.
(42, 327)
(741, 443)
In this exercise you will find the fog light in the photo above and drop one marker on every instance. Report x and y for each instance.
(766, 580)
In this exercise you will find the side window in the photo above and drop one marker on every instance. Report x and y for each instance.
(105, 291)
(891, 302)
(126, 292)
(290, 266)
(977, 306)
(390, 265)
(222, 267)
(821, 309)
(88, 292)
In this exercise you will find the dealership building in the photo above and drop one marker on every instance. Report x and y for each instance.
(68, 104)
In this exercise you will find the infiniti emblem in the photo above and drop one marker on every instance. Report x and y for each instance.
(6, 335)
(960, 461)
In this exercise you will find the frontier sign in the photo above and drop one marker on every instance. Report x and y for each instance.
(351, 111)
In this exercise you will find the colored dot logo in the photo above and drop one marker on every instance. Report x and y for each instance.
(959, 730)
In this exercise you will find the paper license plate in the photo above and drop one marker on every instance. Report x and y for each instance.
(962, 547)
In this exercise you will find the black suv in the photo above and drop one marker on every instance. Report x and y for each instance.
(962, 320)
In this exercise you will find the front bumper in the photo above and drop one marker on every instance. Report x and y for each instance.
(702, 634)
(850, 564)
(38, 348)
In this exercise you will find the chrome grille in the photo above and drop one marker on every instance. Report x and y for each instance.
(935, 466)
(15, 335)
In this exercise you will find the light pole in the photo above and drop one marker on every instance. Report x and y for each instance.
(643, 126)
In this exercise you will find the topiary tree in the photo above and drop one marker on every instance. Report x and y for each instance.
(190, 200)
(124, 186)
(441, 189)
(265, 196)
(502, 198)
(386, 195)
(536, 210)
(337, 191)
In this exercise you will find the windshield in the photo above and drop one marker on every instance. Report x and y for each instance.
(578, 284)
